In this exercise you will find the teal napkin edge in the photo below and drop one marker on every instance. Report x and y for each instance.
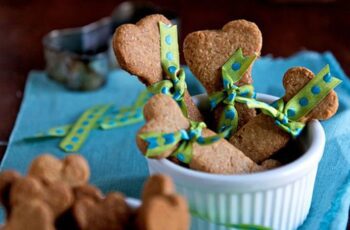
(337, 215)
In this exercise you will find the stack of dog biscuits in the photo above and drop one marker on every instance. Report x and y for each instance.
(169, 133)
(56, 195)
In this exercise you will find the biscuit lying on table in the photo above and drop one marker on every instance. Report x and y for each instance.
(52, 201)
(161, 207)
(73, 169)
(163, 115)
(261, 137)
(137, 49)
(207, 51)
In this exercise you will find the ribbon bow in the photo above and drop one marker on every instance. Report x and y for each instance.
(232, 72)
(175, 86)
(160, 142)
(286, 115)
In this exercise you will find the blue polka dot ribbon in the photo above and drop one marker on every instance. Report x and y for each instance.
(98, 117)
(182, 140)
(287, 115)
(232, 72)
(175, 86)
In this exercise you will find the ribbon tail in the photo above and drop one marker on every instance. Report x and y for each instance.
(229, 225)
(59, 131)
(228, 119)
(183, 107)
(141, 100)
(184, 152)
(212, 139)
(129, 117)
(216, 98)
(81, 129)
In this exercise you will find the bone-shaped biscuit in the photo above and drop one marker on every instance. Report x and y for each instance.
(161, 207)
(137, 49)
(73, 169)
(58, 195)
(164, 212)
(31, 215)
(109, 213)
(157, 185)
(207, 51)
(163, 115)
(7, 179)
(261, 137)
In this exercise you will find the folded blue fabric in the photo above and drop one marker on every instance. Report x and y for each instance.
(116, 163)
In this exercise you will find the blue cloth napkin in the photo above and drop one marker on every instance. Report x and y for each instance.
(116, 163)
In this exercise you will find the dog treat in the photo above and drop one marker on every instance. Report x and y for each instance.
(50, 201)
(87, 191)
(109, 213)
(207, 51)
(73, 169)
(157, 184)
(7, 179)
(58, 195)
(138, 51)
(164, 212)
(161, 208)
(270, 164)
(31, 215)
(164, 116)
(263, 135)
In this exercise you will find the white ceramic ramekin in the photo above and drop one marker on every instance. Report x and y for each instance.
(279, 198)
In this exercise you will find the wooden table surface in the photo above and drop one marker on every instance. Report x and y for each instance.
(286, 27)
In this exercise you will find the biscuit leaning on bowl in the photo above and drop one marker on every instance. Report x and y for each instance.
(163, 115)
(261, 137)
(206, 51)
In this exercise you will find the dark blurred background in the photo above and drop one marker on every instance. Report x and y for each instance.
(287, 26)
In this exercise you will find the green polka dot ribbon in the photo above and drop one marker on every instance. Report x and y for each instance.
(232, 72)
(81, 129)
(98, 117)
(160, 142)
(229, 225)
(175, 86)
(286, 115)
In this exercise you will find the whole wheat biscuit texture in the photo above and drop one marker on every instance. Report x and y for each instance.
(157, 184)
(271, 164)
(7, 179)
(58, 196)
(73, 169)
(109, 213)
(207, 51)
(88, 191)
(261, 137)
(163, 115)
(31, 215)
(164, 212)
(161, 207)
(137, 49)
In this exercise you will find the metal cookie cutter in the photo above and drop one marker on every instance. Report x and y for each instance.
(80, 58)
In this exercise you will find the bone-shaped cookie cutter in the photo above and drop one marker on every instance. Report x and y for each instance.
(80, 58)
